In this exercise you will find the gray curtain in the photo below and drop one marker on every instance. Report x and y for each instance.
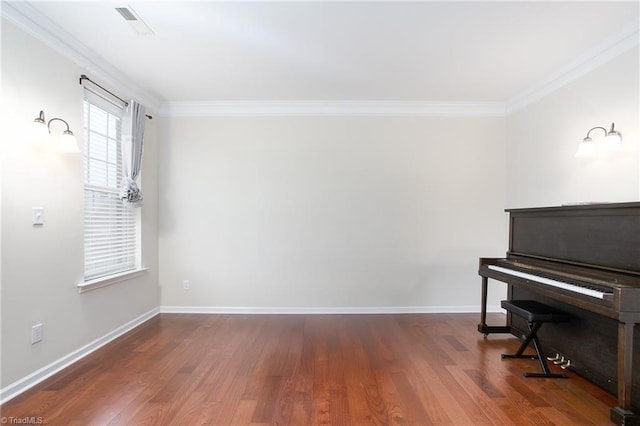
(132, 141)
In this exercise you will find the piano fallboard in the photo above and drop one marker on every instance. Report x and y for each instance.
(621, 300)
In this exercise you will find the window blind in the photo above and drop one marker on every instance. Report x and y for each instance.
(110, 228)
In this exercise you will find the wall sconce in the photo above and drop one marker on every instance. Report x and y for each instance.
(612, 142)
(42, 132)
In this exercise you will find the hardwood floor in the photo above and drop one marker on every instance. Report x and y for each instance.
(417, 369)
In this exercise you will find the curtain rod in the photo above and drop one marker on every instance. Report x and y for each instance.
(84, 77)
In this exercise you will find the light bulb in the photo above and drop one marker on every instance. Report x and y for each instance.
(586, 149)
(612, 142)
(67, 143)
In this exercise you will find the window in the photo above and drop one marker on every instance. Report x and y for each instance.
(111, 236)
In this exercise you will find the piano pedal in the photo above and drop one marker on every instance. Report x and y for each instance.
(559, 361)
(566, 364)
(554, 358)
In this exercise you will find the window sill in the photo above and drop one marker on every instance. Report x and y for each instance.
(109, 280)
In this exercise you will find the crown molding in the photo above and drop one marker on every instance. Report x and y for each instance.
(30, 20)
(331, 108)
(622, 41)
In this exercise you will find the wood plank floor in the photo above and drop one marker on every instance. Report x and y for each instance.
(417, 369)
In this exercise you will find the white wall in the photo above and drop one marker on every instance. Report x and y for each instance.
(543, 137)
(334, 212)
(42, 266)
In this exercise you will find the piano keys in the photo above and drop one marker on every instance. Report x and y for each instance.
(585, 260)
(576, 287)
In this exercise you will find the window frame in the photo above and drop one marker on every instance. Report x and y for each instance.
(130, 269)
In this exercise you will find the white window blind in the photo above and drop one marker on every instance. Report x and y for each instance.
(110, 228)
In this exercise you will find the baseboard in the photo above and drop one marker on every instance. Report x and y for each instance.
(19, 386)
(326, 310)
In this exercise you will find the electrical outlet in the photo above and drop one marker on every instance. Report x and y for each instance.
(186, 285)
(36, 333)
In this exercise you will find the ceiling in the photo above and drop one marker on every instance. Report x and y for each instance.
(342, 51)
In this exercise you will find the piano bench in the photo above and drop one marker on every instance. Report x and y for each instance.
(536, 314)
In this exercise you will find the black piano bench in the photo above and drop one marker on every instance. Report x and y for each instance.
(536, 314)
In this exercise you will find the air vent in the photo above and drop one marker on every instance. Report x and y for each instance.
(134, 20)
(126, 14)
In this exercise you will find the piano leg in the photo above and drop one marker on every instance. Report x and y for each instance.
(483, 327)
(623, 414)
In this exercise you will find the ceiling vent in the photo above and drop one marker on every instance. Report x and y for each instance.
(134, 20)
(126, 14)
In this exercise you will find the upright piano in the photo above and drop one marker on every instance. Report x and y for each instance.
(585, 260)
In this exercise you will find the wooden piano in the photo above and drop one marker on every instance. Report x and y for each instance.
(585, 260)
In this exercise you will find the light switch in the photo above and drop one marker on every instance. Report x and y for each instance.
(38, 216)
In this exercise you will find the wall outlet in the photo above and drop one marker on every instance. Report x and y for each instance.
(36, 333)
(186, 285)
